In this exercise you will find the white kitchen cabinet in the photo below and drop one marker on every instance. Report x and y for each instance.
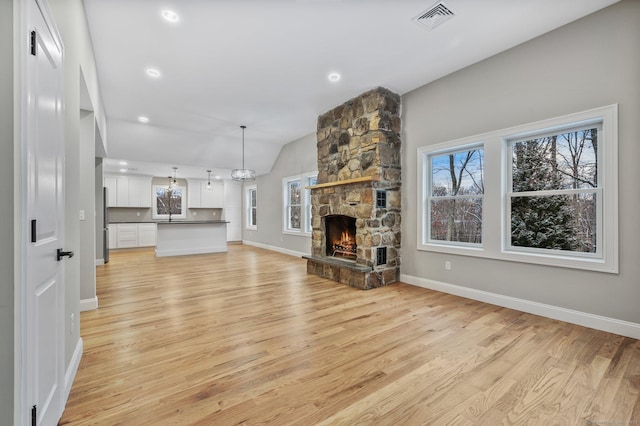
(139, 192)
(122, 191)
(111, 183)
(147, 234)
(199, 197)
(129, 191)
(113, 235)
(127, 235)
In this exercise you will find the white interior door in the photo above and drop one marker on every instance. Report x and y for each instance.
(44, 293)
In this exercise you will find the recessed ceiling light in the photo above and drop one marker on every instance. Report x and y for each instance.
(333, 77)
(123, 170)
(170, 15)
(217, 177)
(123, 163)
(152, 72)
(143, 119)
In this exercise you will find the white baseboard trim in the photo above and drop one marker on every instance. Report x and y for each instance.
(89, 304)
(611, 325)
(99, 262)
(274, 248)
(70, 374)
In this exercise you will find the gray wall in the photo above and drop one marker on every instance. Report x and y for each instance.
(87, 201)
(589, 63)
(7, 236)
(99, 209)
(295, 158)
(72, 24)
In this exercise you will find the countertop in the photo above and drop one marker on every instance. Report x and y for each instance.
(174, 221)
(188, 222)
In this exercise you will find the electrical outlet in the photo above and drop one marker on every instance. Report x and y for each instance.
(447, 265)
(195, 213)
(73, 324)
(138, 214)
(82, 215)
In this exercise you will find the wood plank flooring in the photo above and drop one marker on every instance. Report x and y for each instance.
(247, 337)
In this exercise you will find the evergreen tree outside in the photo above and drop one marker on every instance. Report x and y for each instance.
(566, 163)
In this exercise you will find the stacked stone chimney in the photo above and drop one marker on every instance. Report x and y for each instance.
(359, 176)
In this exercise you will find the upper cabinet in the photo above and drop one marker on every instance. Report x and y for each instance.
(128, 191)
(201, 197)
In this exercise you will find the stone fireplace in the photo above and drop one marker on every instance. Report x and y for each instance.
(356, 202)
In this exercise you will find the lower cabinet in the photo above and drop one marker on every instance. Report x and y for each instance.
(147, 234)
(128, 235)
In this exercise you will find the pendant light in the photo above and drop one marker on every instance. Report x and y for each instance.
(243, 175)
(208, 180)
(172, 180)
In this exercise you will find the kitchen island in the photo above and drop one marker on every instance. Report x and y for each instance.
(182, 237)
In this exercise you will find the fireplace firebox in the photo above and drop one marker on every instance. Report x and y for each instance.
(341, 236)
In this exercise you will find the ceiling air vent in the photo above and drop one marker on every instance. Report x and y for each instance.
(434, 16)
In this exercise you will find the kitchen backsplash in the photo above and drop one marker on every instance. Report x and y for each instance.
(124, 214)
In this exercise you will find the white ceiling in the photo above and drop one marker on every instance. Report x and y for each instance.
(264, 64)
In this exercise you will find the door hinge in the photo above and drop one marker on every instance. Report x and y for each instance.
(34, 237)
(32, 43)
(34, 416)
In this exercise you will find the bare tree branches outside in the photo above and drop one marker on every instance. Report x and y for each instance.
(455, 201)
(169, 201)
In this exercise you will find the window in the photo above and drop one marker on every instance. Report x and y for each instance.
(294, 205)
(309, 181)
(454, 200)
(169, 204)
(251, 220)
(554, 196)
(297, 204)
(543, 193)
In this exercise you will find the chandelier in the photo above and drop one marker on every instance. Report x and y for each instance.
(243, 175)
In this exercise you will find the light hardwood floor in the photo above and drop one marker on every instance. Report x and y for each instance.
(247, 337)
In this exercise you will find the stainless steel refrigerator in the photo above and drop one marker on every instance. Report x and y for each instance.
(105, 224)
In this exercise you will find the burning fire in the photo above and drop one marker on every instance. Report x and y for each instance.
(345, 246)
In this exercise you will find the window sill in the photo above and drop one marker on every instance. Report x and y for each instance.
(297, 233)
(569, 261)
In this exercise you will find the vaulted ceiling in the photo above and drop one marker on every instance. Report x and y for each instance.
(266, 64)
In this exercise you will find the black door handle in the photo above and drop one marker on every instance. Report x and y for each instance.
(61, 254)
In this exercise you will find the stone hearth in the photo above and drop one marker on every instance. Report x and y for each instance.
(359, 177)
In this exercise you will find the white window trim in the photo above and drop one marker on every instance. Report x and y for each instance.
(154, 211)
(496, 229)
(247, 213)
(305, 202)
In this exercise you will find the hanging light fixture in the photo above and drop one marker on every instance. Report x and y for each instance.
(208, 180)
(243, 175)
(172, 180)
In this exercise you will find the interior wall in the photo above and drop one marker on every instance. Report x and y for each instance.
(99, 206)
(87, 204)
(233, 209)
(10, 219)
(589, 63)
(72, 25)
(295, 158)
